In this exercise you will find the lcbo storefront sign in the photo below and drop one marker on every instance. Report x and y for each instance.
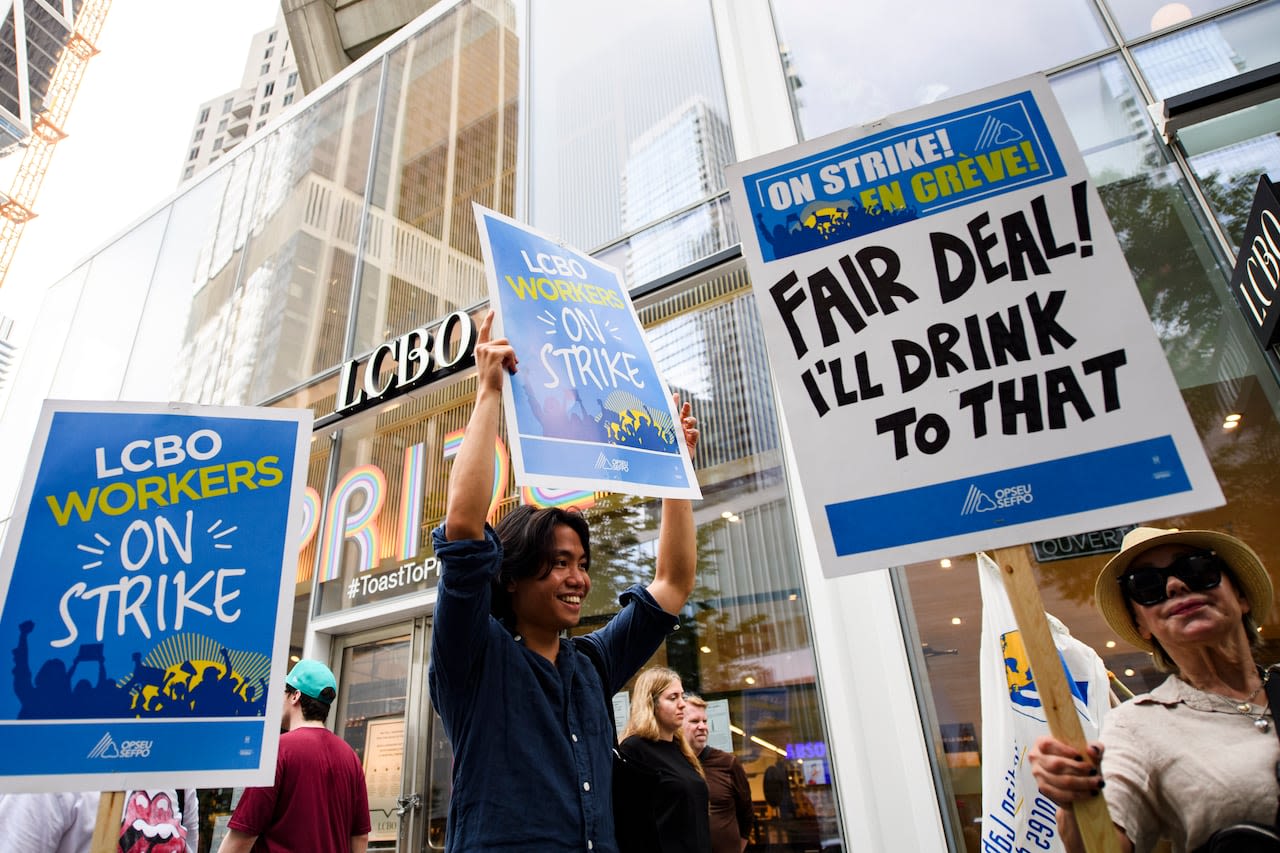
(421, 357)
(1257, 275)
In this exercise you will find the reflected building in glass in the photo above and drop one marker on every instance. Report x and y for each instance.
(340, 228)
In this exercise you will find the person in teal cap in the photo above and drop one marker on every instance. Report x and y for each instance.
(319, 803)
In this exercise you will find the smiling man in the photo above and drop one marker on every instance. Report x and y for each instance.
(524, 708)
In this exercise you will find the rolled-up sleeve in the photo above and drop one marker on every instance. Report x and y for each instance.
(631, 637)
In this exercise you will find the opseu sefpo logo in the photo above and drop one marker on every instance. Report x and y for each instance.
(979, 501)
(106, 747)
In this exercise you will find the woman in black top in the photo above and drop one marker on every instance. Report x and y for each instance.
(659, 794)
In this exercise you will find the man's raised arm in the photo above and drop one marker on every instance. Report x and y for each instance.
(471, 479)
(677, 562)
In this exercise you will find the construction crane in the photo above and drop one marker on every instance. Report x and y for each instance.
(16, 208)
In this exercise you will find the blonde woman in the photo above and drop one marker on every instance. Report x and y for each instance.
(660, 795)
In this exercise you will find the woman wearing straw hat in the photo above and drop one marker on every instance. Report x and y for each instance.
(1200, 751)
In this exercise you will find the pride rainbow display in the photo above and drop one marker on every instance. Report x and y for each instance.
(341, 525)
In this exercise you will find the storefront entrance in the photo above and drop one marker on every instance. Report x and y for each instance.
(385, 714)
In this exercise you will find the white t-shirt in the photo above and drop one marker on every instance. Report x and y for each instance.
(59, 823)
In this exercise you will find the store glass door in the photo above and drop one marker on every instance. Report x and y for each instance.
(382, 703)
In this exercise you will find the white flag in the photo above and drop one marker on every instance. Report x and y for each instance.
(1016, 818)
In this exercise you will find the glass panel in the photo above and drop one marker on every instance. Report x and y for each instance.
(159, 332)
(273, 281)
(95, 354)
(372, 699)
(1227, 154)
(319, 398)
(1213, 51)
(41, 348)
(448, 139)
(848, 69)
(675, 243)
(439, 785)
(627, 118)
(1137, 18)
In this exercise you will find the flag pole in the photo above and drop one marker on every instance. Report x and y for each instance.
(1092, 816)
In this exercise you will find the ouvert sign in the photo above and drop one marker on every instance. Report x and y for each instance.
(1257, 274)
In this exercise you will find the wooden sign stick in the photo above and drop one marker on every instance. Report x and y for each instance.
(106, 832)
(1092, 816)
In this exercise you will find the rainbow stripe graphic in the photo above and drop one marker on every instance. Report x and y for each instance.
(310, 522)
(340, 524)
(540, 497)
(501, 463)
(411, 500)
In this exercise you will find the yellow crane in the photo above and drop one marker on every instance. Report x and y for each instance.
(16, 208)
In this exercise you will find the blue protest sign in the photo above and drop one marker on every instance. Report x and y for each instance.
(147, 588)
(587, 408)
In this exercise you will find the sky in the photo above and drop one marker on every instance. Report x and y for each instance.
(127, 132)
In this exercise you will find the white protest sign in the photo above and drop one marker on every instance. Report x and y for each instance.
(963, 359)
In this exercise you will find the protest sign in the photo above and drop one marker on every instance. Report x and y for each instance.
(963, 360)
(147, 589)
(587, 408)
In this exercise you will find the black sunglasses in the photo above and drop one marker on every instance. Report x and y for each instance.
(1148, 585)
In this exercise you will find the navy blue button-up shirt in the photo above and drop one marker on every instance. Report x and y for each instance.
(532, 740)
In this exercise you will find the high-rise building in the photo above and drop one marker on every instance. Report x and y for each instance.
(32, 36)
(269, 85)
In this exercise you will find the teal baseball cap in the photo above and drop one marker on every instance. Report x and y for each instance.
(314, 679)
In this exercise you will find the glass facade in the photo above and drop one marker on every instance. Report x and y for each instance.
(349, 222)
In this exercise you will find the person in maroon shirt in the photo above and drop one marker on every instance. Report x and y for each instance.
(730, 794)
(319, 803)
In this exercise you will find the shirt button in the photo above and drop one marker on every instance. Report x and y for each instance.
(573, 738)
(586, 786)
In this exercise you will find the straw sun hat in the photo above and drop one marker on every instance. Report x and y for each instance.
(1246, 570)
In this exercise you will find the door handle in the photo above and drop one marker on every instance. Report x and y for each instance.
(413, 801)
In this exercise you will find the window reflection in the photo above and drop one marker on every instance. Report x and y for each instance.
(448, 140)
(273, 280)
(1176, 268)
(851, 68)
(1137, 18)
(627, 121)
(113, 298)
(1227, 154)
(1212, 51)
